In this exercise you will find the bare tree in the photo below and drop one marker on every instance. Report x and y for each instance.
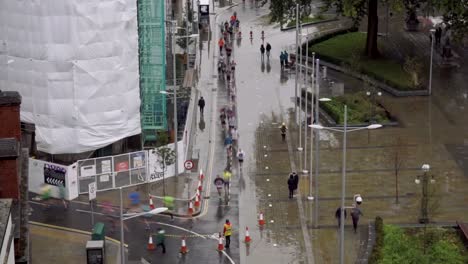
(400, 153)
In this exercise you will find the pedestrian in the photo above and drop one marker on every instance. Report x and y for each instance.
(227, 231)
(221, 44)
(227, 179)
(355, 213)
(219, 183)
(282, 60)
(201, 104)
(438, 35)
(296, 180)
(262, 51)
(268, 49)
(291, 184)
(240, 156)
(228, 51)
(62, 193)
(160, 238)
(234, 135)
(169, 203)
(338, 215)
(108, 211)
(286, 58)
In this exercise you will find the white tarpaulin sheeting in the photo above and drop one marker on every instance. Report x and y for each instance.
(75, 64)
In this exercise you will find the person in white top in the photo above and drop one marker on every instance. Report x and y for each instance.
(234, 135)
(240, 155)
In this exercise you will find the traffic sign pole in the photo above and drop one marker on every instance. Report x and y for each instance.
(92, 195)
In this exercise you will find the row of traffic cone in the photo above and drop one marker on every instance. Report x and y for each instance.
(184, 249)
(199, 189)
(183, 246)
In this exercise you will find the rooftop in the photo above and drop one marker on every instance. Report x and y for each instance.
(8, 98)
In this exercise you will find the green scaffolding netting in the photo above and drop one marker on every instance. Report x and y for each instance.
(152, 55)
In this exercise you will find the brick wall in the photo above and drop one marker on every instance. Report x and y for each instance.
(10, 127)
(9, 179)
(10, 122)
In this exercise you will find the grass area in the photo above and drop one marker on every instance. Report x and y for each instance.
(361, 109)
(308, 19)
(346, 49)
(421, 245)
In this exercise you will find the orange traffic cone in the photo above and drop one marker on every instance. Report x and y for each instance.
(247, 235)
(197, 201)
(151, 203)
(199, 185)
(201, 175)
(151, 245)
(220, 243)
(183, 247)
(190, 208)
(261, 220)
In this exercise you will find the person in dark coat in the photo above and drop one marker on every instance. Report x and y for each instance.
(291, 185)
(338, 216)
(296, 180)
(355, 213)
(201, 104)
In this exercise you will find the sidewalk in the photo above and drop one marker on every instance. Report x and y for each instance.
(51, 244)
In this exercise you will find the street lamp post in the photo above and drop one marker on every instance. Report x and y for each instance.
(299, 148)
(304, 169)
(297, 46)
(124, 217)
(345, 129)
(176, 164)
(424, 218)
(430, 67)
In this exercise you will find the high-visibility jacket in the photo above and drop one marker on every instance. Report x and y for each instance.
(227, 176)
(227, 229)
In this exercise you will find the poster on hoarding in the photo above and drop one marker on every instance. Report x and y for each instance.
(54, 175)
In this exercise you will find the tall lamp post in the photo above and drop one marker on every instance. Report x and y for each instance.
(176, 171)
(345, 129)
(124, 217)
(424, 218)
(432, 53)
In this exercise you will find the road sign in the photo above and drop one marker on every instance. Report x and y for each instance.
(188, 164)
(92, 191)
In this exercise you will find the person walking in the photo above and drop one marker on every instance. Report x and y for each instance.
(296, 180)
(201, 104)
(160, 238)
(286, 58)
(355, 213)
(268, 49)
(240, 156)
(227, 232)
(227, 179)
(438, 35)
(338, 215)
(219, 183)
(169, 203)
(282, 60)
(221, 44)
(62, 194)
(262, 52)
(291, 184)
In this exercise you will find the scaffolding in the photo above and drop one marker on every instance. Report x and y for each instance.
(152, 57)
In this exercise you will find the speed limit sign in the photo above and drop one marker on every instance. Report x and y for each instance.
(188, 164)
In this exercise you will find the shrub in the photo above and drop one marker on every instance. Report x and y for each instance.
(376, 254)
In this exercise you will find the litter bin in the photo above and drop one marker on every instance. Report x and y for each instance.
(95, 252)
(98, 232)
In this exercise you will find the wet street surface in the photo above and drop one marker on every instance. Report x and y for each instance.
(432, 130)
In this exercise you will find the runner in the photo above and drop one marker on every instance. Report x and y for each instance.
(240, 156)
(219, 183)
